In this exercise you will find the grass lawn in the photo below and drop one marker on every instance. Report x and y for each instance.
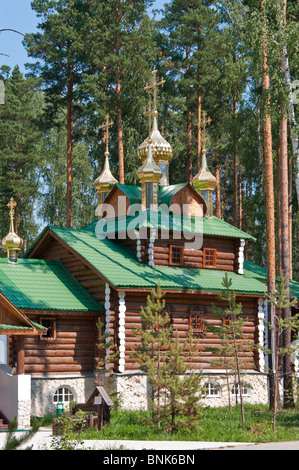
(214, 424)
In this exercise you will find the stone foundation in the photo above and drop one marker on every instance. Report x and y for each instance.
(44, 388)
(133, 389)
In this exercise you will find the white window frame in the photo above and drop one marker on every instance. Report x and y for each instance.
(246, 390)
(66, 393)
(209, 387)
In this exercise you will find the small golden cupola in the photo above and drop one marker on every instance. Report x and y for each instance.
(161, 149)
(150, 175)
(204, 182)
(105, 182)
(12, 243)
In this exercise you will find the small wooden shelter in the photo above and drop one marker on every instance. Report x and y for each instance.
(103, 402)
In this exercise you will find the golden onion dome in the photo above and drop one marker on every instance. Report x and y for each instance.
(204, 180)
(12, 242)
(149, 171)
(161, 149)
(106, 179)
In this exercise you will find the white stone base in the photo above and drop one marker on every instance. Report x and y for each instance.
(44, 388)
(133, 389)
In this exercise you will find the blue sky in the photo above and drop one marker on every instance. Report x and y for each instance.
(18, 15)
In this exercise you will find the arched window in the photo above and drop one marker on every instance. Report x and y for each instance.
(212, 390)
(63, 395)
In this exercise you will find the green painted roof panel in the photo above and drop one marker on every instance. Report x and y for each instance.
(210, 226)
(118, 264)
(43, 285)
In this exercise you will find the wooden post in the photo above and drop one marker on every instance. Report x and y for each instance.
(20, 355)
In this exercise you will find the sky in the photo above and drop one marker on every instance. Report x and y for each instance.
(18, 15)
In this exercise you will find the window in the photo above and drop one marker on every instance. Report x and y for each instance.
(209, 257)
(196, 321)
(63, 395)
(176, 255)
(50, 324)
(245, 390)
(212, 390)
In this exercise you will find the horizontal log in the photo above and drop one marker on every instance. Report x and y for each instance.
(46, 361)
(59, 353)
(58, 368)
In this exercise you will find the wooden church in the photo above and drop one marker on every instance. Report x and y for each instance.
(51, 299)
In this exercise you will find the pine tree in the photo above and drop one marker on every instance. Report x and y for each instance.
(190, 36)
(19, 155)
(150, 354)
(61, 50)
(120, 49)
(281, 349)
(165, 359)
(234, 346)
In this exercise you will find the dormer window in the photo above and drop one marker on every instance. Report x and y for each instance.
(176, 255)
(209, 257)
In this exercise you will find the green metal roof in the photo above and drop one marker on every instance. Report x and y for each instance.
(132, 192)
(43, 285)
(251, 270)
(210, 226)
(21, 327)
(166, 193)
(118, 264)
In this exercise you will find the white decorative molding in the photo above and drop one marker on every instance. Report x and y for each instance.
(121, 330)
(261, 333)
(151, 248)
(241, 256)
(107, 326)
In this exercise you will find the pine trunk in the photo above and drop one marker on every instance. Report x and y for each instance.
(218, 200)
(70, 131)
(285, 258)
(235, 172)
(285, 242)
(278, 208)
(198, 157)
(189, 146)
(120, 131)
(270, 206)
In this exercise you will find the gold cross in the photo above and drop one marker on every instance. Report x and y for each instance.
(106, 126)
(149, 114)
(154, 87)
(204, 122)
(12, 205)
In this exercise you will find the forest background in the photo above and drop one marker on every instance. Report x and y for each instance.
(89, 58)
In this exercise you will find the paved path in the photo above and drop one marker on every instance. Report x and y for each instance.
(289, 445)
(43, 438)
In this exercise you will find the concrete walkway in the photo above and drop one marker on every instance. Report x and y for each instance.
(43, 438)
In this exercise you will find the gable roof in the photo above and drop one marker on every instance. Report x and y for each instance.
(119, 266)
(15, 322)
(44, 285)
(210, 226)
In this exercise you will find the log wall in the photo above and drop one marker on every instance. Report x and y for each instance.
(73, 351)
(226, 253)
(179, 307)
